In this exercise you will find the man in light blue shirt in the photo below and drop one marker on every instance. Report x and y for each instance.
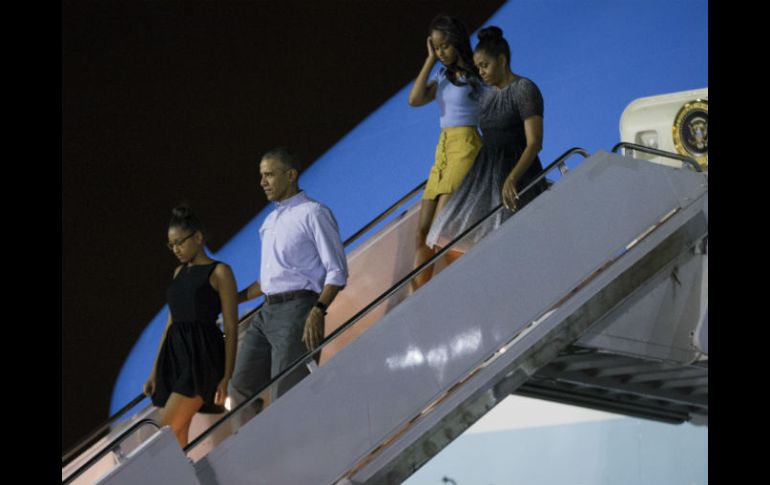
(303, 267)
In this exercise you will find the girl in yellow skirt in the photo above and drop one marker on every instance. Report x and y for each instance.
(457, 88)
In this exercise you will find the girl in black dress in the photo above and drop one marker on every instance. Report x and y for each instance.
(195, 361)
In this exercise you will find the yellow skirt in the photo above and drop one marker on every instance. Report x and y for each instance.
(456, 150)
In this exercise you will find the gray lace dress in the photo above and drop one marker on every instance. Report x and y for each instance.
(501, 121)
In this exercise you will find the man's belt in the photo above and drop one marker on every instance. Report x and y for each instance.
(288, 296)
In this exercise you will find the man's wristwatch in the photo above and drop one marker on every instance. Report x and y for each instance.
(321, 306)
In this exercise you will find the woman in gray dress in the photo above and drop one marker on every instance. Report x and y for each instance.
(511, 122)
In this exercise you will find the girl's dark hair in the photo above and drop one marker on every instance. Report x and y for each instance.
(457, 36)
(182, 216)
(491, 42)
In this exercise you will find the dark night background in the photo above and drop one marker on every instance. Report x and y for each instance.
(170, 101)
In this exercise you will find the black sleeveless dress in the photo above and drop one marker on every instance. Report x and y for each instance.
(192, 359)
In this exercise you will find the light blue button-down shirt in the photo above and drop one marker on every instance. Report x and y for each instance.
(301, 247)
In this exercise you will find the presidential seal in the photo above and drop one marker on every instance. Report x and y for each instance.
(691, 135)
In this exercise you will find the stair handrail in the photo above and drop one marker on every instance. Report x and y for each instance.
(98, 433)
(654, 151)
(113, 444)
(559, 162)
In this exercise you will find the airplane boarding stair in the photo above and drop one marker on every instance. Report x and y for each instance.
(594, 294)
